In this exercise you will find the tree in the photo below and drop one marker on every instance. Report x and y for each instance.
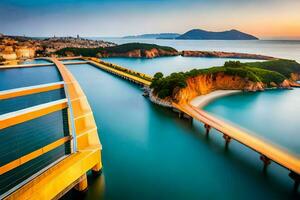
(158, 75)
(235, 64)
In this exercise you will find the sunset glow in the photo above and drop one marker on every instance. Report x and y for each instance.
(265, 19)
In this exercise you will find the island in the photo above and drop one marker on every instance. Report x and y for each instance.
(153, 36)
(144, 50)
(199, 34)
(130, 50)
(182, 87)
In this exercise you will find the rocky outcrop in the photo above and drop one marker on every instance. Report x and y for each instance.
(155, 99)
(205, 84)
(25, 52)
(139, 53)
(293, 80)
(295, 76)
(221, 54)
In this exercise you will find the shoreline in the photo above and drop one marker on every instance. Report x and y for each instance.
(203, 100)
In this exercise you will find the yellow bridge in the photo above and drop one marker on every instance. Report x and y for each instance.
(79, 142)
(131, 75)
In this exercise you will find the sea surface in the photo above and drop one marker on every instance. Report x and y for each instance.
(289, 49)
(272, 115)
(168, 65)
(149, 153)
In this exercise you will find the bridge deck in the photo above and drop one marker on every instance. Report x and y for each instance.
(272, 152)
(120, 73)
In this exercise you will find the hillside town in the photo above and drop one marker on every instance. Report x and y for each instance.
(16, 48)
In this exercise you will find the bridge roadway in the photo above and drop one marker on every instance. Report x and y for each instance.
(134, 78)
(268, 151)
(70, 171)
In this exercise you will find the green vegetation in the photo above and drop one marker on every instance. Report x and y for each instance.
(124, 48)
(275, 71)
(284, 67)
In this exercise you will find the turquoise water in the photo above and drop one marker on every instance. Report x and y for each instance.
(272, 115)
(277, 48)
(167, 65)
(148, 153)
(73, 60)
(36, 61)
(28, 76)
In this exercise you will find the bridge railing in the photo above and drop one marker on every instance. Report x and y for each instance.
(34, 133)
(123, 69)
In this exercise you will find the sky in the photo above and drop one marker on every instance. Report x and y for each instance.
(266, 19)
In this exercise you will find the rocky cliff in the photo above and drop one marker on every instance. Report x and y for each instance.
(139, 53)
(295, 76)
(204, 84)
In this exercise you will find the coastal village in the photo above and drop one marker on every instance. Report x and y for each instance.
(16, 48)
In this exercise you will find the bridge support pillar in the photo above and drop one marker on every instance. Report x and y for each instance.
(82, 186)
(97, 169)
(227, 140)
(191, 120)
(180, 114)
(296, 178)
(266, 161)
(207, 127)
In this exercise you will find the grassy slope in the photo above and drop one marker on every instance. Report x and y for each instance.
(285, 67)
(269, 71)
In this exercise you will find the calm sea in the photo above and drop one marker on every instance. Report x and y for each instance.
(148, 153)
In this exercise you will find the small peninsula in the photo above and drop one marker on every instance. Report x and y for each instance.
(182, 87)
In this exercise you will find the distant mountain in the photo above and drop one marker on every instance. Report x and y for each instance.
(154, 36)
(198, 34)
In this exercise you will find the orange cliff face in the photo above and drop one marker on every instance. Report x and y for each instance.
(295, 76)
(204, 84)
(207, 83)
(138, 53)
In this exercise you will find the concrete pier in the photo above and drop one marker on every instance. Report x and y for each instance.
(296, 178)
(207, 127)
(227, 140)
(266, 162)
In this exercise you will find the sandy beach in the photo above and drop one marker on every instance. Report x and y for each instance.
(203, 100)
